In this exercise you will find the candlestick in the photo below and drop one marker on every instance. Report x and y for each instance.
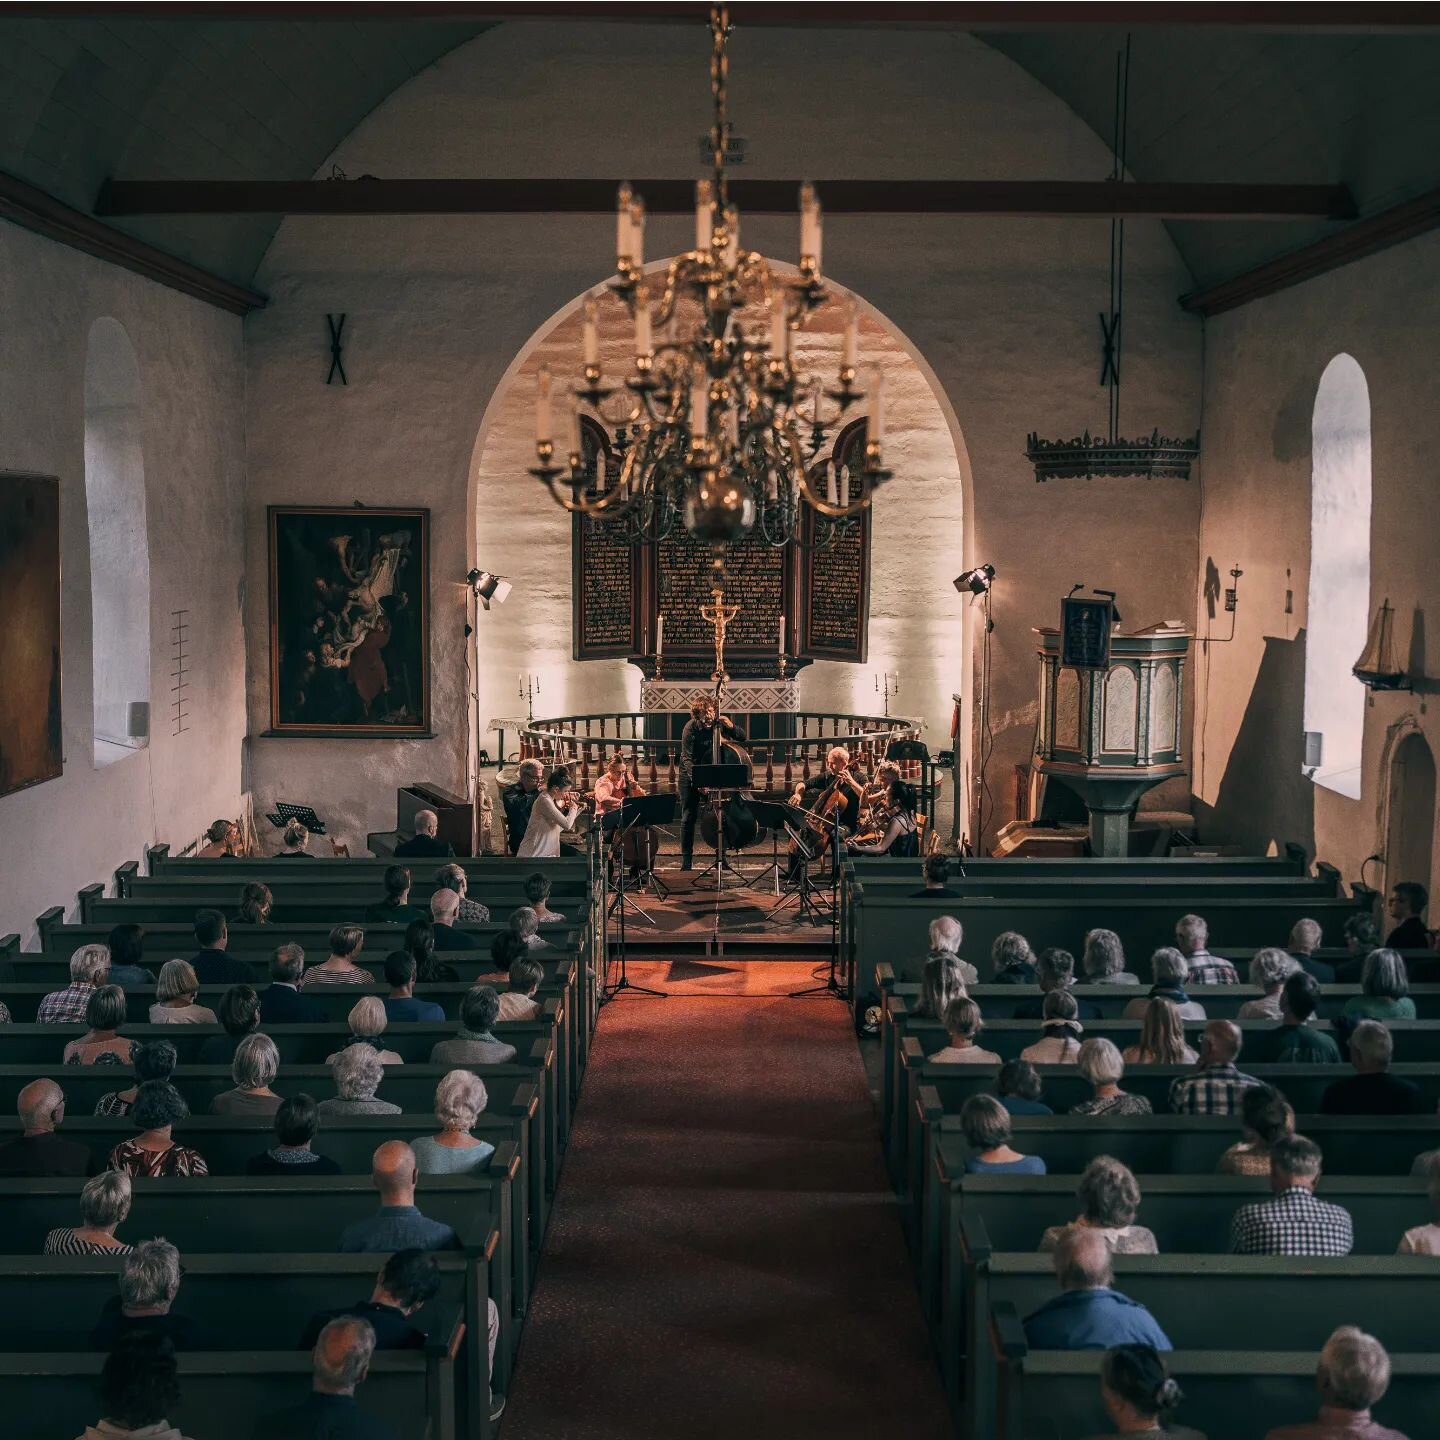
(830, 495)
(637, 234)
(704, 219)
(623, 234)
(781, 645)
(659, 635)
(700, 408)
(844, 485)
(542, 404)
(592, 333)
(643, 345)
(573, 441)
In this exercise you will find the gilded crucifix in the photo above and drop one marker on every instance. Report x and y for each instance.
(719, 614)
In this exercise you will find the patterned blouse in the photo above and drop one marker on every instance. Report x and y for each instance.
(64, 1241)
(113, 1104)
(319, 975)
(115, 1051)
(1121, 1104)
(1244, 1159)
(176, 1160)
(4, 1014)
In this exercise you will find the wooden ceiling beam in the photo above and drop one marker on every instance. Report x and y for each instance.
(1049, 199)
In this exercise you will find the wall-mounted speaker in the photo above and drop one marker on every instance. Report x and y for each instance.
(1314, 749)
(137, 720)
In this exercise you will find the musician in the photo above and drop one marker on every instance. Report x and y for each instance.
(697, 747)
(553, 812)
(518, 800)
(837, 775)
(901, 833)
(612, 789)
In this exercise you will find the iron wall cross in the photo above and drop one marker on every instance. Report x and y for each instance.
(336, 324)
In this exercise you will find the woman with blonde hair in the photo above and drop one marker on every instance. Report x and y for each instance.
(295, 838)
(255, 904)
(1103, 960)
(102, 1043)
(1162, 1038)
(367, 1024)
(104, 1203)
(1269, 971)
(1103, 1066)
(460, 1099)
(175, 993)
(942, 982)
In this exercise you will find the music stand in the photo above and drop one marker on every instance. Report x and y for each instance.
(782, 817)
(636, 810)
(717, 779)
(661, 807)
(285, 812)
(831, 984)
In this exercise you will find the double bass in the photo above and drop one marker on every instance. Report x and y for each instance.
(741, 826)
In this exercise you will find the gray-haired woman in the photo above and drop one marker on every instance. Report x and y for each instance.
(367, 1023)
(1100, 1063)
(104, 1203)
(460, 1098)
(357, 1071)
(1109, 1201)
(1170, 969)
(1386, 984)
(1103, 960)
(256, 1064)
(1012, 960)
(175, 993)
(1269, 971)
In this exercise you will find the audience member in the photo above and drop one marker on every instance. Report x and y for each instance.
(296, 1122)
(407, 1282)
(102, 1043)
(1060, 1041)
(395, 908)
(937, 873)
(453, 877)
(1018, 1089)
(255, 905)
(986, 1123)
(1138, 1395)
(294, 842)
(211, 962)
(1100, 1062)
(519, 1002)
(89, 970)
(963, 1022)
(39, 1151)
(339, 967)
(1171, 971)
(1386, 986)
(126, 945)
(946, 935)
(1352, 1376)
(525, 924)
(398, 1224)
(1218, 1083)
(460, 1099)
(153, 1154)
(239, 1015)
(475, 1044)
(341, 1361)
(1055, 970)
(1103, 960)
(282, 1003)
(420, 942)
(1109, 1197)
(1295, 1041)
(1406, 907)
(1362, 935)
(104, 1203)
(506, 948)
(537, 896)
(367, 1024)
(138, 1389)
(401, 1004)
(222, 841)
(1265, 1116)
(1425, 1239)
(150, 1060)
(1192, 935)
(1371, 1090)
(1011, 960)
(1162, 1038)
(1305, 939)
(149, 1282)
(444, 912)
(254, 1068)
(357, 1071)
(1269, 971)
(424, 842)
(1292, 1221)
(175, 993)
(941, 981)
(1088, 1314)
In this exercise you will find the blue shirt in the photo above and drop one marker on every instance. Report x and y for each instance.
(396, 1227)
(1025, 1165)
(1019, 1105)
(1093, 1320)
(409, 1008)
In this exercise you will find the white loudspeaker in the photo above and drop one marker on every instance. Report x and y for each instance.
(137, 720)
(1314, 749)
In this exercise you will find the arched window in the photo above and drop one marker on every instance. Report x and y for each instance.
(119, 544)
(1339, 597)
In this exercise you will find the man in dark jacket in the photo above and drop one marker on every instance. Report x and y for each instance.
(211, 964)
(423, 842)
(281, 1002)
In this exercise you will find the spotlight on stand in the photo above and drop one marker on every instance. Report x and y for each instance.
(488, 587)
(976, 581)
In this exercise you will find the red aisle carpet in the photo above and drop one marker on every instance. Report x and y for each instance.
(724, 1258)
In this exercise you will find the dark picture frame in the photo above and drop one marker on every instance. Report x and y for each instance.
(349, 621)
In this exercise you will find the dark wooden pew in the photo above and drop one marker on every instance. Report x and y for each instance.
(160, 861)
(875, 867)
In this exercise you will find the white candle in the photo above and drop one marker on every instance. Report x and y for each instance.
(818, 235)
(844, 485)
(807, 219)
(779, 328)
(732, 245)
(659, 635)
(643, 344)
(875, 389)
(852, 333)
(704, 220)
(542, 403)
(592, 333)
(576, 441)
(830, 483)
(624, 238)
(700, 408)
(637, 234)
(772, 484)
(781, 643)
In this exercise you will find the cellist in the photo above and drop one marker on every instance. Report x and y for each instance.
(837, 786)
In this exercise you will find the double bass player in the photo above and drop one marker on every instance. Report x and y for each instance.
(698, 745)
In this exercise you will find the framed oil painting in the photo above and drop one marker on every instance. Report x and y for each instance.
(349, 621)
(30, 730)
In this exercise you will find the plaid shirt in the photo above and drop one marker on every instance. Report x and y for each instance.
(1294, 1222)
(67, 1006)
(1208, 969)
(1215, 1090)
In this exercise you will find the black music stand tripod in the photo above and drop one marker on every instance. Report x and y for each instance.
(636, 810)
(654, 809)
(831, 984)
(778, 818)
(717, 779)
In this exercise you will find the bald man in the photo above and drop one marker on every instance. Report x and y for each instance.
(341, 1361)
(40, 1151)
(1216, 1085)
(398, 1224)
(1088, 1314)
(423, 842)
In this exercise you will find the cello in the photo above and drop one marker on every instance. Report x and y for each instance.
(741, 826)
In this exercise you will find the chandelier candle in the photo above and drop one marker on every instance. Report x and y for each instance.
(542, 405)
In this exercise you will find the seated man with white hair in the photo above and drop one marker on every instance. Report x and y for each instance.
(946, 933)
(1171, 971)
(39, 1151)
(1352, 1376)
(149, 1282)
(444, 912)
(1292, 1221)
(1088, 1314)
(1305, 939)
(340, 1361)
(1055, 970)
(1371, 1090)
(89, 969)
(423, 842)
(1192, 935)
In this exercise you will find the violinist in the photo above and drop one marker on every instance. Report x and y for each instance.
(901, 833)
(555, 811)
(697, 747)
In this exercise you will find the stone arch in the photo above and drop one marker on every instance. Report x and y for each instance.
(1408, 809)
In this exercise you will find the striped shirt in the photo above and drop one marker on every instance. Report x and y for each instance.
(319, 975)
(65, 1241)
(1215, 1090)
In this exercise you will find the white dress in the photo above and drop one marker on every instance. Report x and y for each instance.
(542, 833)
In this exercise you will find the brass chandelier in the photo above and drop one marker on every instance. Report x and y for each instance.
(715, 425)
